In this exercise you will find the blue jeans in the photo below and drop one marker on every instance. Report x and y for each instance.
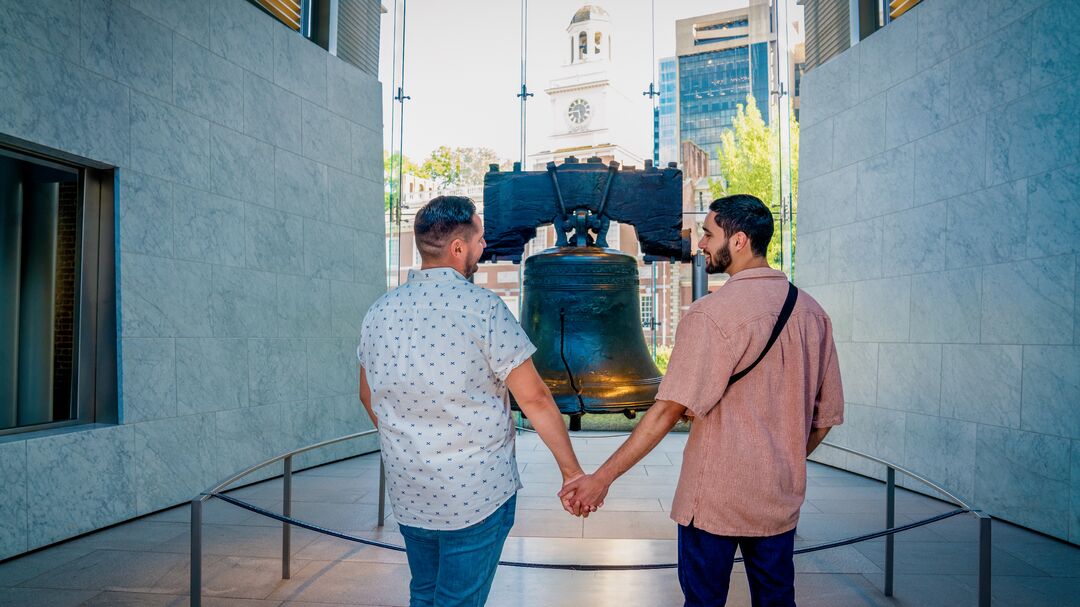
(705, 562)
(456, 568)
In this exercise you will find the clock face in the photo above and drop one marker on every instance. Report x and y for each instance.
(578, 111)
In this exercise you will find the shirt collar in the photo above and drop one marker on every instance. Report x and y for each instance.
(435, 274)
(758, 273)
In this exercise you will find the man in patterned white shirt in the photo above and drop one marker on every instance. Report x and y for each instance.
(437, 355)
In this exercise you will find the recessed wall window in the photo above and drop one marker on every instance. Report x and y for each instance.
(54, 294)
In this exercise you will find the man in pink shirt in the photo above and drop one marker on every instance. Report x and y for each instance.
(761, 401)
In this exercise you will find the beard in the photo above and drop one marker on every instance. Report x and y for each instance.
(472, 268)
(720, 263)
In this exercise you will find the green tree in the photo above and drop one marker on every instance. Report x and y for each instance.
(450, 166)
(748, 156)
(391, 164)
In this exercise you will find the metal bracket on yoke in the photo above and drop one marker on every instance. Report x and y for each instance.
(582, 219)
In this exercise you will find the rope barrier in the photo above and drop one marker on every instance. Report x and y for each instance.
(573, 435)
(573, 567)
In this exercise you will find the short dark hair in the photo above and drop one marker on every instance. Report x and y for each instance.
(747, 214)
(440, 221)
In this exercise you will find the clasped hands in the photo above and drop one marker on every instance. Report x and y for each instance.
(584, 494)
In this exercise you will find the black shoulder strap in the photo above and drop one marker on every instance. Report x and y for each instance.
(781, 320)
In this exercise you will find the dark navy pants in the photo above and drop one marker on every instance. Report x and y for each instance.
(705, 562)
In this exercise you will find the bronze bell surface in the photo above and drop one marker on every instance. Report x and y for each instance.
(580, 307)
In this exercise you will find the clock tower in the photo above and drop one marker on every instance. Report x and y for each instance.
(582, 97)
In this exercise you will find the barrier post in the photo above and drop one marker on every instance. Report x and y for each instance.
(984, 557)
(890, 522)
(286, 528)
(196, 552)
(382, 492)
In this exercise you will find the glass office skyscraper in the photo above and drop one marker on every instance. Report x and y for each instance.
(667, 120)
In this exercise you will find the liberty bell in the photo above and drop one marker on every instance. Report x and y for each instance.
(580, 301)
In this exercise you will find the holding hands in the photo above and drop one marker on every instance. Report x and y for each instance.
(584, 494)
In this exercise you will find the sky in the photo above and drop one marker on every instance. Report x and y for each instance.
(463, 65)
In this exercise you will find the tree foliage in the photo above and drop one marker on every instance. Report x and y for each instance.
(391, 164)
(748, 156)
(458, 166)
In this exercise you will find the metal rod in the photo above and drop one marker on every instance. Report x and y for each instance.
(196, 552)
(699, 277)
(382, 491)
(286, 528)
(956, 501)
(890, 522)
(985, 545)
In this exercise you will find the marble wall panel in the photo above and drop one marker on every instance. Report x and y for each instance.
(912, 240)
(909, 377)
(326, 136)
(330, 251)
(946, 27)
(1074, 511)
(303, 306)
(371, 250)
(97, 465)
(943, 450)
(838, 302)
(206, 84)
(1051, 390)
(882, 310)
(885, 57)
(992, 72)
(813, 266)
(859, 132)
(983, 226)
(299, 66)
(348, 303)
(1023, 477)
(1036, 133)
(248, 436)
(886, 182)
(332, 367)
(36, 84)
(1076, 305)
(144, 205)
(833, 198)
(191, 18)
(241, 167)
(858, 371)
(162, 297)
(367, 147)
(1053, 38)
(1029, 301)
(834, 86)
(918, 106)
(243, 303)
(243, 34)
(51, 25)
(1001, 13)
(301, 185)
(168, 142)
(13, 516)
(856, 251)
(942, 305)
(271, 113)
(207, 227)
(354, 201)
(354, 94)
(274, 240)
(277, 370)
(182, 450)
(126, 45)
(211, 375)
(148, 379)
(951, 161)
(815, 149)
(1053, 212)
(981, 383)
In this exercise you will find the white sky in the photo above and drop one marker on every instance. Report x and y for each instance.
(463, 64)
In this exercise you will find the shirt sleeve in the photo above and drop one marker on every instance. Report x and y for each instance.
(701, 364)
(829, 404)
(507, 344)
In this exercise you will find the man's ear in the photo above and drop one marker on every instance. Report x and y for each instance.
(457, 247)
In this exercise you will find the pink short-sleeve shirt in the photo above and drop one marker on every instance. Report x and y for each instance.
(744, 467)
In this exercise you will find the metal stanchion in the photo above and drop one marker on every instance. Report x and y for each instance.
(196, 552)
(286, 528)
(984, 557)
(699, 278)
(890, 522)
(382, 492)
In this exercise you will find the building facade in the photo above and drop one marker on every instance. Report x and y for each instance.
(196, 193)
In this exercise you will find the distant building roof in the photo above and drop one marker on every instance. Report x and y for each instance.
(589, 11)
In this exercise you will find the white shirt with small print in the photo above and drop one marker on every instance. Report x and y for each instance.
(437, 351)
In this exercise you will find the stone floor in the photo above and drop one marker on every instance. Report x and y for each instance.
(145, 562)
